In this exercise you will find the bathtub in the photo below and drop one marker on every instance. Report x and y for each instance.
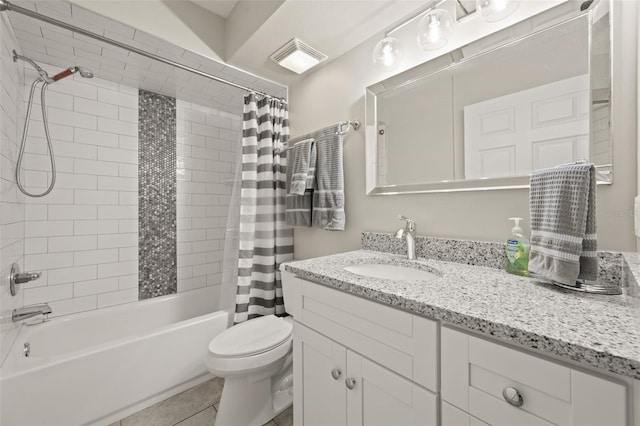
(99, 366)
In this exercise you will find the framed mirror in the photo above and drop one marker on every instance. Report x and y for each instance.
(486, 115)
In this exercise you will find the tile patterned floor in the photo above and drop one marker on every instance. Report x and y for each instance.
(194, 407)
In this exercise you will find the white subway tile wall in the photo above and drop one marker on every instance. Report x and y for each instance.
(12, 211)
(208, 148)
(84, 235)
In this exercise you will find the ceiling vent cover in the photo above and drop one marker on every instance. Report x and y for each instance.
(297, 56)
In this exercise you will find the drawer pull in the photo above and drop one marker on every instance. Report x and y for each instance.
(513, 397)
(351, 383)
(336, 373)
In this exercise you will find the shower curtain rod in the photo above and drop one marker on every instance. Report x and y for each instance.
(5, 5)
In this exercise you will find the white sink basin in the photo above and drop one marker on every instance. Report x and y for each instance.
(390, 272)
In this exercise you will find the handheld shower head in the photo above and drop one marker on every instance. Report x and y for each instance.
(84, 72)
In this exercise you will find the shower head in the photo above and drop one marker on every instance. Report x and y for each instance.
(84, 72)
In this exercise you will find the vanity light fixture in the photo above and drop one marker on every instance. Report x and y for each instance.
(298, 56)
(434, 29)
(387, 53)
(436, 26)
(496, 10)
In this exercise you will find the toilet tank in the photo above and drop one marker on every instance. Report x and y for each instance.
(291, 292)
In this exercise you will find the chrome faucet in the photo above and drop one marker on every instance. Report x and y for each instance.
(30, 312)
(408, 233)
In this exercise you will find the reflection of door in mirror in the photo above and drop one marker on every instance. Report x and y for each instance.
(532, 129)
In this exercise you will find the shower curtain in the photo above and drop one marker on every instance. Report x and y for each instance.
(265, 240)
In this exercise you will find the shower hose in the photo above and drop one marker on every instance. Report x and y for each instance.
(47, 136)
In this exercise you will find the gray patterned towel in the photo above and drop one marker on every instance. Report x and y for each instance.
(299, 203)
(301, 166)
(328, 198)
(563, 223)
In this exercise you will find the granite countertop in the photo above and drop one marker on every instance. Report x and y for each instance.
(601, 331)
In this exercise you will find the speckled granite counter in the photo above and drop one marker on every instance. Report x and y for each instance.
(601, 331)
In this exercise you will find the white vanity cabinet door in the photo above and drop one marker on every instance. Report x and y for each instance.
(363, 393)
(320, 394)
(382, 398)
(476, 371)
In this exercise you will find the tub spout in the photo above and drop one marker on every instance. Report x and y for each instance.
(30, 312)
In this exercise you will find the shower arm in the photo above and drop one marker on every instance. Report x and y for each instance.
(5, 5)
(43, 74)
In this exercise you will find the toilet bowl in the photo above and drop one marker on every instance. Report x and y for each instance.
(255, 359)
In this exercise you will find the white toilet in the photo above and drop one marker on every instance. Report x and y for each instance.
(255, 358)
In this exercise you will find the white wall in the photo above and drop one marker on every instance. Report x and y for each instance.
(336, 92)
(11, 200)
(208, 151)
(83, 236)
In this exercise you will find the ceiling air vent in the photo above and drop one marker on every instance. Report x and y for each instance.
(297, 56)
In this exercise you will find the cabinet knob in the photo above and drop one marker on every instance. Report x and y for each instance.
(351, 383)
(513, 397)
(336, 373)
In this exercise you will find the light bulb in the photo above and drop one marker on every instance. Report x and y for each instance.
(434, 29)
(387, 53)
(496, 10)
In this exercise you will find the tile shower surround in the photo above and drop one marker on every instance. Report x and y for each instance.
(156, 195)
(12, 211)
(84, 235)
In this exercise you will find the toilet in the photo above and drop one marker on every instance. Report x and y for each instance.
(255, 358)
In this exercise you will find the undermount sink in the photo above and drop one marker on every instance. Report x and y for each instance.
(390, 272)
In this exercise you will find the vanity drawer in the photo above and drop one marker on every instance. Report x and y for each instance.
(475, 372)
(406, 344)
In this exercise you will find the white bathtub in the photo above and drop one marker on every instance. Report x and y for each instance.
(98, 366)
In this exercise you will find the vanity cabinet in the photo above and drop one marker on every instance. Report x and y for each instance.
(341, 387)
(487, 383)
(358, 362)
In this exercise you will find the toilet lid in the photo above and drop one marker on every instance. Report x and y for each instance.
(251, 337)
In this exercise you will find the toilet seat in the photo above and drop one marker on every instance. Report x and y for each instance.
(250, 346)
(252, 337)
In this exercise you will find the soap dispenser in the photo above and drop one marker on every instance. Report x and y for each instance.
(517, 250)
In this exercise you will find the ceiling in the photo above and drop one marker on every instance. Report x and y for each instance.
(219, 7)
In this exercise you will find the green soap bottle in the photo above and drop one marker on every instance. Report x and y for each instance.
(517, 250)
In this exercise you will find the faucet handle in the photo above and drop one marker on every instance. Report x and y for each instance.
(410, 223)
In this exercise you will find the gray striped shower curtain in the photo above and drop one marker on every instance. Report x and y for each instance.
(265, 239)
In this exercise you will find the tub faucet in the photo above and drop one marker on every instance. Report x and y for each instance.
(30, 312)
(408, 233)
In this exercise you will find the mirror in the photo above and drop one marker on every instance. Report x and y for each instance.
(486, 115)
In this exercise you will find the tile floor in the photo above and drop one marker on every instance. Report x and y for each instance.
(194, 407)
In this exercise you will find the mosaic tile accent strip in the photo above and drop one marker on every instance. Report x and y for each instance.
(157, 195)
(477, 253)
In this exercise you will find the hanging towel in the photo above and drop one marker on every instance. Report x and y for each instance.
(299, 205)
(328, 197)
(301, 167)
(563, 223)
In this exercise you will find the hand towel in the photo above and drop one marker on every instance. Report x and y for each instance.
(328, 197)
(563, 223)
(299, 205)
(300, 166)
